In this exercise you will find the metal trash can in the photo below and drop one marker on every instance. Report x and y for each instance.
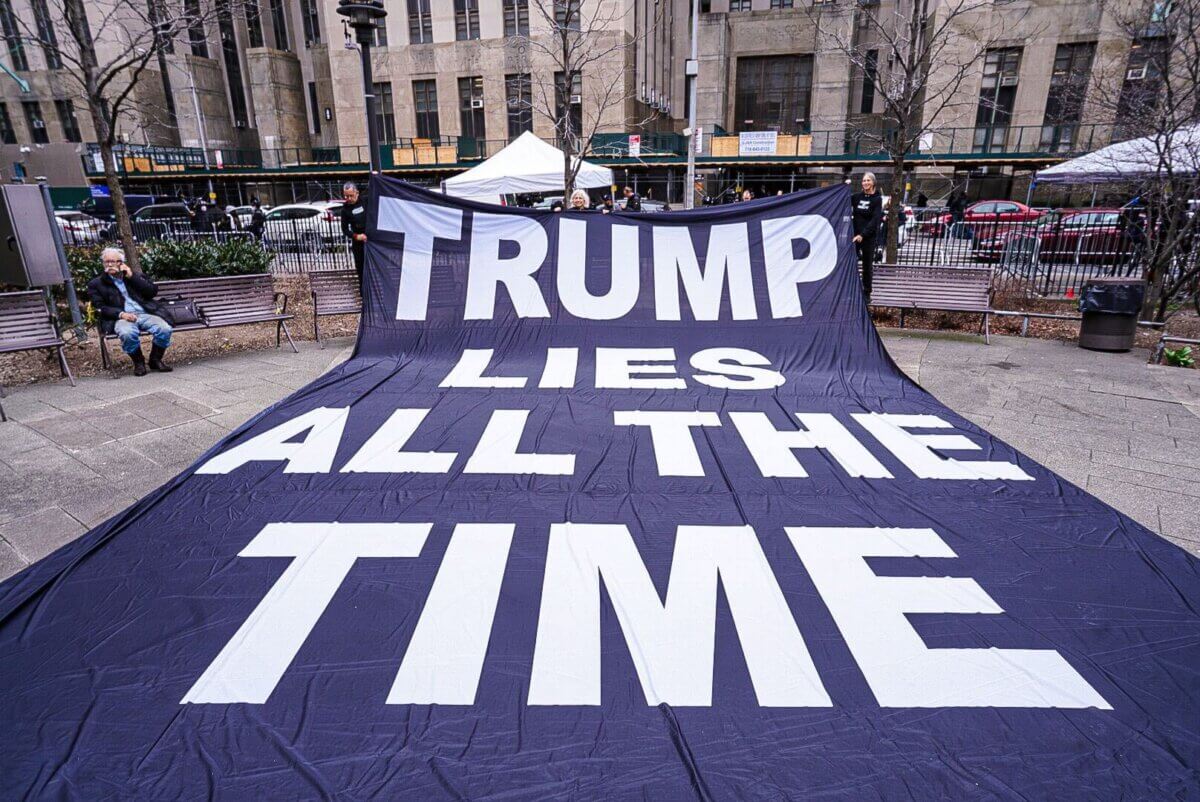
(1110, 307)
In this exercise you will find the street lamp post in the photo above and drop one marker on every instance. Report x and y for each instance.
(363, 16)
(691, 72)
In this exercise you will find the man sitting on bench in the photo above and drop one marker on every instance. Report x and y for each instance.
(126, 305)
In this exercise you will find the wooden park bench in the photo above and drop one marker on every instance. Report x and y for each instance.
(935, 287)
(1156, 357)
(334, 292)
(26, 324)
(226, 301)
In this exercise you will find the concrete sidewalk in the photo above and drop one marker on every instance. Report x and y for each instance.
(1130, 433)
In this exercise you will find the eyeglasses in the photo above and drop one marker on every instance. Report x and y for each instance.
(111, 261)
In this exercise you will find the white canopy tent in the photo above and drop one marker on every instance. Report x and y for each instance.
(1131, 160)
(527, 164)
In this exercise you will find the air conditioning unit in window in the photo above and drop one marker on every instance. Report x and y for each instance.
(576, 100)
(1008, 80)
(39, 123)
(1136, 73)
(239, 124)
(477, 103)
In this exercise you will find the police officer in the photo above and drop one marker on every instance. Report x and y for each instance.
(867, 207)
(354, 224)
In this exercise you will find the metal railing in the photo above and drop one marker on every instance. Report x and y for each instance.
(985, 142)
(1044, 253)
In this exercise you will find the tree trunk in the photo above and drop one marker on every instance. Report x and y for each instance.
(895, 210)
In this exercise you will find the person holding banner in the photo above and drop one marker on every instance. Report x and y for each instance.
(867, 209)
(579, 201)
(354, 225)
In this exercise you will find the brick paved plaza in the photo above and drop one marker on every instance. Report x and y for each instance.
(1129, 432)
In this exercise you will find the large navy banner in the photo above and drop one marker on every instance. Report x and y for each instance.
(627, 506)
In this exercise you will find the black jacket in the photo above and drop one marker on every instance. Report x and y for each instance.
(109, 302)
(868, 214)
(354, 217)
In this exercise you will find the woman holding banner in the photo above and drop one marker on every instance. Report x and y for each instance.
(867, 207)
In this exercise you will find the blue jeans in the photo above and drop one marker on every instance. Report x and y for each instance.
(130, 333)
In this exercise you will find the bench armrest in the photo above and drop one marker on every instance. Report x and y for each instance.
(281, 307)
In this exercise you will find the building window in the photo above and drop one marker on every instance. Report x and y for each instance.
(1148, 58)
(870, 76)
(516, 17)
(420, 22)
(66, 116)
(197, 37)
(568, 103)
(997, 94)
(1064, 101)
(739, 5)
(426, 108)
(279, 23)
(466, 19)
(316, 109)
(518, 94)
(381, 39)
(12, 35)
(566, 14)
(782, 3)
(312, 22)
(233, 64)
(385, 112)
(774, 93)
(254, 29)
(46, 35)
(8, 134)
(35, 121)
(470, 113)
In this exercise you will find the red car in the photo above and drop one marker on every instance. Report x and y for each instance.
(1078, 236)
(984, 218)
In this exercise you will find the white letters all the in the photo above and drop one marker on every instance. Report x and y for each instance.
(916, 450)
(313, 454)
(671, 434)
(497, 449)
(772, 448)
(671, 643)
(871, 612)
(384, 453)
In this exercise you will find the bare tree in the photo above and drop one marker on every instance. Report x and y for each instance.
(577, 54)
(918, 55)
(107, 55)
(1153, 96)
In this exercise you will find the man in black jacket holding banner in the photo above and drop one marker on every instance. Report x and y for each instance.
(354, 225)
(867, 209)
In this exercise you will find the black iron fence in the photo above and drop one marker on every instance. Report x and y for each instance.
(296, 245)
(1040, 253)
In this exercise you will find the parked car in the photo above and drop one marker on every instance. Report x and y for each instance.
(78, 228)
(241, 214)
(984, 218)
(1077, 236)
(304, 226)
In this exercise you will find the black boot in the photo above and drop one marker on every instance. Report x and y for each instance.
(156, 360)
(139, 362)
